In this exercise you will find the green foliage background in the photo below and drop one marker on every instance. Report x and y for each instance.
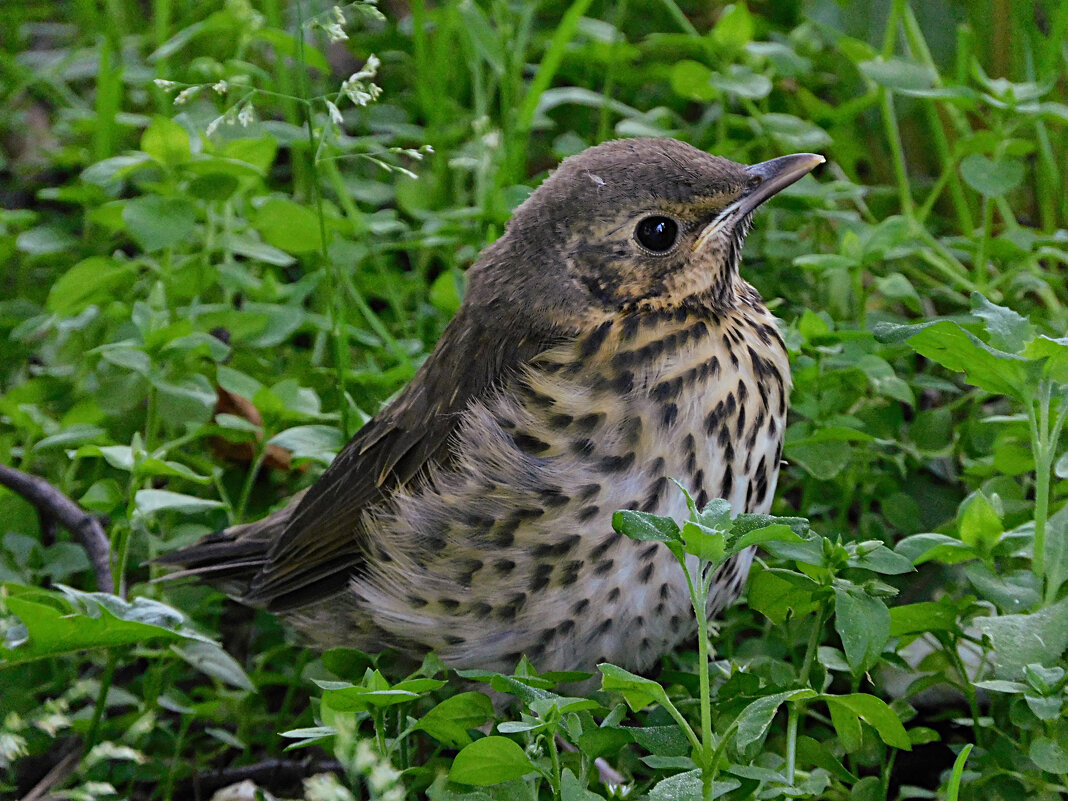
(254, 225)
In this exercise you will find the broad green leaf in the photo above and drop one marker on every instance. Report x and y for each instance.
(863, 623)
(158, 222)
(922, 548)
(319, 443)
(898, 74)
(687, 786)
(991, 178)
(846, 724)
(951, 346)
(1019, 640)
(68, 620)
(96, 280)
(755, 719)
(1008, 330)
(778, 593)
(1049, 755)
(691, 80)
(880, 559)
(150, 501)
(209, 658)
(980, 525)
(491, 760)
(920, 617)
(741, 81)
(1011, 590)
(571, 789)
(637, 691)
(166, 141)
(876, 713)
(703, 542)
(734, 28)
(451, 719)
(288, 226)
(644, 526)
(1055, 354)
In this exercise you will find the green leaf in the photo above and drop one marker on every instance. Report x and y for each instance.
(755, 719)
(70, 620)
(1055, 354)
(451, 719)
(319, 443)
(847, 726)
(863, 623)
(951, 346)
(571, 789)
(741, 81)
(980, 525)
(209, 658)
(920, 617)
(491, 760)
(898, 74)
(778, 593)
(637, 691)
(1019, 640)
(1012, 591)
(150, 501)
(1049, 755)
(922, 548)
(691, 80)
(991, 178)
(876, 713)
(288, 226)
(646, 527)
(166, 141)
(96, 280)
(734, 28)
(1008, 330)
(703, 542)
(158, 222)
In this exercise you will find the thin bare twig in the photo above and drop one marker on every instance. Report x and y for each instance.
(53, 505)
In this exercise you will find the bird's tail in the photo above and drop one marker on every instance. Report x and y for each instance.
(229, 559)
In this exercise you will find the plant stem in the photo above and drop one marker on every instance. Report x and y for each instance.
(793, 715)
(554, 755)
(700, 605)
(101, 702)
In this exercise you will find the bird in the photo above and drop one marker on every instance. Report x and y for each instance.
(606, 344)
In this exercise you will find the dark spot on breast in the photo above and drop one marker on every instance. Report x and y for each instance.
(602, 549)
(603, 627)
(504, 566)
(657, 465)
(654, 494)
(540, 579)
(604, 567)
(509, 610)
(552, 497)
(622, 383)
(668, 415)
(452, 639)
(570, 572)
(646, 574)
(632, 431)
(416, 602)
(449, 604)
(616, 464)
(561, 420)
(467, 570)
(667, 390)
(587, 512)
(481, 609)
(566, 627)
(536, 399)
(590, 422)
(665, 591)
(631, 322)
(702, 499)
(580, 606)
(613, 595)
(741, 422)
(588, 491)
(503, 537)
(728, 480)
(582, 445)
(649, 551)
(592, 343)
(556, 549)
(530, 444)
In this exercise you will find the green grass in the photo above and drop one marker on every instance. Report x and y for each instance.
(908, 644)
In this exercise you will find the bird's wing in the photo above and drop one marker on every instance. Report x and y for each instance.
(323, 544)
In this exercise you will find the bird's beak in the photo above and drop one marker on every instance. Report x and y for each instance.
(770, 177)
(762, 181)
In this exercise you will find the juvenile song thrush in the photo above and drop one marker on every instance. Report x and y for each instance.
(606, 344)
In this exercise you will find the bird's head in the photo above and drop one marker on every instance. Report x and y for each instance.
(642, 223)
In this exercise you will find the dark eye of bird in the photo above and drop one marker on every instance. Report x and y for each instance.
(657, 233)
